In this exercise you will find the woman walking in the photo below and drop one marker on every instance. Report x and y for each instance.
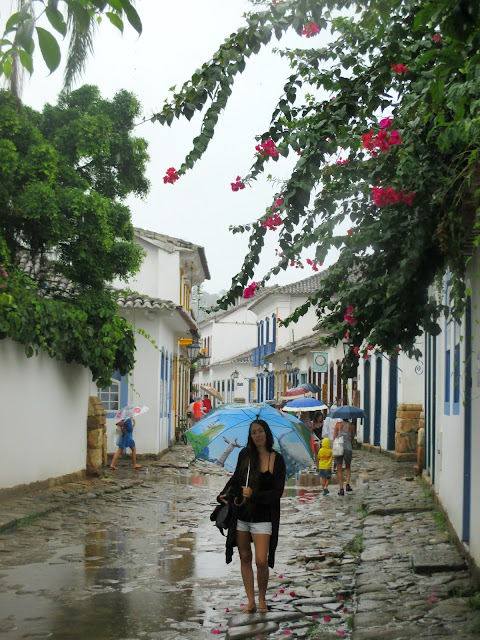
(258, 481)
(125, 440)
(347, 430)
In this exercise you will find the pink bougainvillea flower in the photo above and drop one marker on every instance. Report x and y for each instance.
(349, 232)
(436, 37)
(249, 292)
(367, 140)
(366, 356)
(282, 591)
(345, 337)
(394, 138)
(281, 575)
(399, 68)
(274, 595)
(326, 618)
(408, 199)
(386, 123)
(237, 185)
(342, 633)
(370, 347)
(345, 609)
(349, 318)
(287, 632)
(341, 597)
(341, 162)
(227, 610)
(350, 308)
(216, 631)
(267, 149)
(310, 30)
(171, 176)
(356, 350)
(272, 222)
(432, 598)
(292, 593)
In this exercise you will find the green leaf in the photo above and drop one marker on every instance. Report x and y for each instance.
(49, 48)
(132, 16)
(56, 20)
(26, 60)
(24, 35)
(115, 20)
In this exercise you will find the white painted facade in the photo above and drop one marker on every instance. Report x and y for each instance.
(379, 427)
(161, 376)
(228, 339)
(452, 406)
(44, 414)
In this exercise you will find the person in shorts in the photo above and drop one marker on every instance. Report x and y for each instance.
(258, 481)
(325, 464)
(347, 430)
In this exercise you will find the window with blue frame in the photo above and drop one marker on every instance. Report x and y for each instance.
(274, 328)
(110, 396)
(267, 330)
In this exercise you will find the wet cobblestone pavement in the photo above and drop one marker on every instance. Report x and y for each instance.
(135, 556)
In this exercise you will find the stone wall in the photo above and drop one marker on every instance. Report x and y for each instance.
(96, 437)
(410, 418)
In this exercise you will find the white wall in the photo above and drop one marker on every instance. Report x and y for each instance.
(44, 416)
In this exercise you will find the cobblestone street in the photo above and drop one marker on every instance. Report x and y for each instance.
(134, 556)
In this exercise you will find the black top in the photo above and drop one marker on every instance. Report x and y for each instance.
(253, 511)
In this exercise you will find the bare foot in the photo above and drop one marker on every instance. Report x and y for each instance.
(137, 466)
(262, 608)
(113, 468)
(250, 609)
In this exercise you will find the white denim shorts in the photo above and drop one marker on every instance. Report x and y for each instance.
(255, 527)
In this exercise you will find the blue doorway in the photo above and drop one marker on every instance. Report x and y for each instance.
(366, 401)
(377, 425)
(392, 402)
(467, 442)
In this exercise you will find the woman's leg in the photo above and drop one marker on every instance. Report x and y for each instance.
(134, 459)
(261, 542)
(115, 458)
(245, 551)
(347, 474)
(340, 476)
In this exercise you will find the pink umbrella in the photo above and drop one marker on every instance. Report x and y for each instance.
(297, 392)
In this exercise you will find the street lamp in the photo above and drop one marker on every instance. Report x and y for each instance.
(235, 374)
(193, 349)
(288, 366)
(266, 369)
(346, 347)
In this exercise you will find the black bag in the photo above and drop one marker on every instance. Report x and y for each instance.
(222, 516)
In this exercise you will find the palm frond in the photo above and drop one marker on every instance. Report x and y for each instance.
(79, 48)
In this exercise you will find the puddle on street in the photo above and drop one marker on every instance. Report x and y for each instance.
(121, 581)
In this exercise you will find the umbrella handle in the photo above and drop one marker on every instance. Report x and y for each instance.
(235, 502)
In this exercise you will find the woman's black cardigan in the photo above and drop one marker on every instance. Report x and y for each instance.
(270, 497)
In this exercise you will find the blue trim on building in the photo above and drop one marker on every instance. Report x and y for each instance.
(392, 403)
(366, 401)
(467, 439)
(377, 420)
(123, 392)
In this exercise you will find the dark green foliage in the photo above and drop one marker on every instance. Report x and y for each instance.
(64, 232)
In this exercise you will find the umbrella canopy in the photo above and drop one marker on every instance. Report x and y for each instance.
(222, 433)
(314, 388)
(347, 412)
(297, 392)
(131, 411)
(211, 391)
(304, 404)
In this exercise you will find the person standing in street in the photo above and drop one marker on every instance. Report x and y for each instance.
(318, 424)
(347, 430)
(125, 441)
(197, 410)
(258, 480)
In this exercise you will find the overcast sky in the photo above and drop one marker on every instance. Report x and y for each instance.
(177, 38)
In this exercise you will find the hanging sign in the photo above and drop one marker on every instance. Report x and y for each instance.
(320, 362)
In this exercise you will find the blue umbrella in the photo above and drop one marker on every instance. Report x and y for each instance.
(304, 404)
(348, 412)
(221, 434)
(314, 388)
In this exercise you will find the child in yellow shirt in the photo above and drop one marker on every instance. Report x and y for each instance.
(325, 464)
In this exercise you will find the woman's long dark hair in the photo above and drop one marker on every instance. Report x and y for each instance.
(253, 456)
